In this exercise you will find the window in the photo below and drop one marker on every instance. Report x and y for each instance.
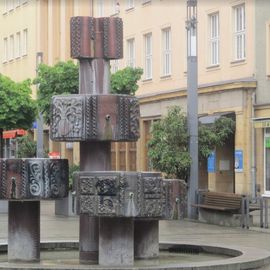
(214, 39)
(131, 52)
(114, 65)
(100, 9)
(5, 6)
(166, 52)
(10, 5)
(24, 42)
(17, 3)
(18, 45)
(130, 4)
(148, 56)
(5, 56)
(115, 7)
(239, 32)
(11, 47)
(145, 1)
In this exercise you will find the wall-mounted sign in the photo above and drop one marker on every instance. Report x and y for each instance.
(238, 161)
(211, 163)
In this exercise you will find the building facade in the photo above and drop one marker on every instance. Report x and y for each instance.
(233, 72)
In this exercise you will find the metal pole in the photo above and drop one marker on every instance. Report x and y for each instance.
(192, 103)
(40, 150)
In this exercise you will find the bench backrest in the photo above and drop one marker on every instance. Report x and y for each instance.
(229, 200)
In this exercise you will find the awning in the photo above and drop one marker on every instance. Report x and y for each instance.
(210, 119)
(263, 122)
(10, 134)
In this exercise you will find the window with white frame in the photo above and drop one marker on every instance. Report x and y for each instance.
(5, 56)
(148, 56)
(10, 5)
(130, 4)
(239, 38)
(100, 8)
(5, 6)
(18, 45)
(114, 65)
(145, 1)
(115, 7)
(166, 52)
(17, 3)
(11, 47)
(214, 39)
(131, 52)
(24, 42)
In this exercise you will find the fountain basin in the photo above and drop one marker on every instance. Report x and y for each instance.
(174, 256)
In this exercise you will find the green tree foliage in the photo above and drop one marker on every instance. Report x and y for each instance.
(18, 109)
(26, 147)
(168, 146)
(124, 81)
(62, 78)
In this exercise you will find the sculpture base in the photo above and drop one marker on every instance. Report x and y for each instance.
(24, 231)
(116, 241)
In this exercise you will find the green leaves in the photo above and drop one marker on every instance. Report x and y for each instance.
(18, 109)
(26, 147)
(168, 146)
(124, 81)
(62, 78)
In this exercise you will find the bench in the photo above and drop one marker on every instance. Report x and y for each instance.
(229, 202)
(228, 205)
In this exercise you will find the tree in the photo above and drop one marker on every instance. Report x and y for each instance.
(62, 78)
(26, 147)
(124, 81)
(168, 146)
(18, 109)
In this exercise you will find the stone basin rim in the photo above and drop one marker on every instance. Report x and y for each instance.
(241, 258)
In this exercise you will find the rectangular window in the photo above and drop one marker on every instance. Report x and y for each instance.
(114, 65)
(166, 52)
(5, 56)
(24, 42)
(214, 39)
(5, 6)
(239, 32)
(131, 52)
(115, 7)
(148, 56)
(145, 1)
(130, 4)
(17, 3)
(10, 4)
(18, 45)
(100, 8)
(11, 47)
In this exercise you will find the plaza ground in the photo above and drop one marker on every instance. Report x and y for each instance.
(67, 228)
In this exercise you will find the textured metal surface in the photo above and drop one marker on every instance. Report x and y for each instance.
(24, 231)
(96, 37)
(33, 179)
(95, 118)
(125, 194)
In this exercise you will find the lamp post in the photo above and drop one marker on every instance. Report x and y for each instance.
(40, 150)
(192, 103)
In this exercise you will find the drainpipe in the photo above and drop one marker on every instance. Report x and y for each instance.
(253, 149)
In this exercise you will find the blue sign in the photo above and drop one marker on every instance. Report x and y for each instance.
(211, 163)
(238, 161)
(34, 125)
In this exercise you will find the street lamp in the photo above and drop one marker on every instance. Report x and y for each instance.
(40, 151)
(192, 104)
